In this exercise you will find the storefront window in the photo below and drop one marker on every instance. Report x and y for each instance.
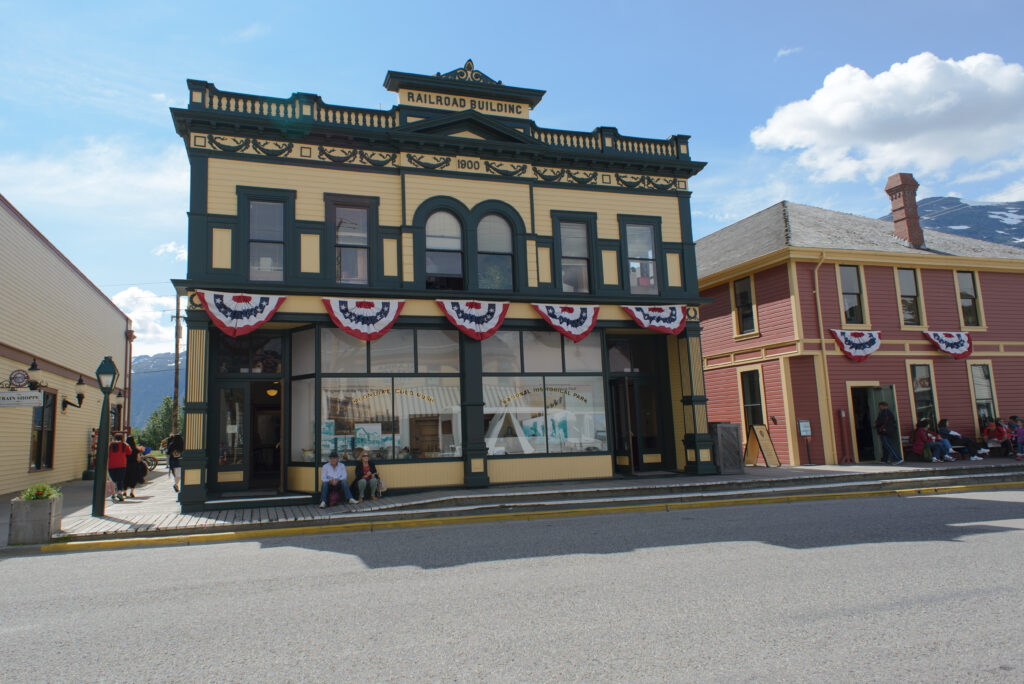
(514, 415)
(427, 412)
(575, 414)
(500, 352)
(341, 353)
(356, 413)
(437, 351)
(232, 427)
(303, 434)
(585, 355)
(542, 352)
(266, 355)
(393, 353)
(304, 352)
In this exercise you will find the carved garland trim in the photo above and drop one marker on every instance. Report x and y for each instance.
(383, 160)
(339, 158)
(516, 170)
(272, 149)
(235, 146)
(548, 175)
(438, 163)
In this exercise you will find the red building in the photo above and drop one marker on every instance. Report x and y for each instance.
(816, 316)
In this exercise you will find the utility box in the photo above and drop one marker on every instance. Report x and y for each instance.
(727, 447)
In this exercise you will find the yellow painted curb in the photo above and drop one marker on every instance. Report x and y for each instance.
(265, 533)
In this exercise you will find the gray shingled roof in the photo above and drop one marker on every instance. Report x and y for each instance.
(788, 224)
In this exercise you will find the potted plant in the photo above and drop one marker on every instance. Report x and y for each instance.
(35, 515)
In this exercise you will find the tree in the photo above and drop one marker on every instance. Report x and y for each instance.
(159, 425)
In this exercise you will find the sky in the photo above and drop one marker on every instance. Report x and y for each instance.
(811, 102)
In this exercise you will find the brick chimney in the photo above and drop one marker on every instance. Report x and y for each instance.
(902, 191)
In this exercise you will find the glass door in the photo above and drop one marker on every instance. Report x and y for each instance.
(232, 436)
(625, 443)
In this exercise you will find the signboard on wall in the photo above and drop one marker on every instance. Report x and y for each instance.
(22, 398)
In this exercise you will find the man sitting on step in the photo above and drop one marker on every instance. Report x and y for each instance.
(333, 476)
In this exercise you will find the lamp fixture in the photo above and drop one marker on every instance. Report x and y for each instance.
(272, 390)
(34, 366)
(106, 374)
(64, 403)
(120, 394)
(81, 380)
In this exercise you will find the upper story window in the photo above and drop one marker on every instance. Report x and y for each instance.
(910, 300)
(575, 257)
(970, 310)
(643, 275)
(743, 297)
(266, 240)
(852, 295)
(494, 253)
(351, 250)
(444, 251)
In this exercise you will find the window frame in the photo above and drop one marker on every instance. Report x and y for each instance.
(658, 257)
(977, 300)
(289, 238)
(974, 400)
(45, 447)
(740, 371)
(460, 218)
(373, 254)
(922, 313)
(511, 254)
(589, 221)
(910, 363)
(862, 294)
(738, 334)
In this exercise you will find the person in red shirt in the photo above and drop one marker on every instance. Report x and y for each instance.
(994, 432)
(117, 461)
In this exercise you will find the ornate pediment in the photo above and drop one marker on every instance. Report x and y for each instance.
(468, 73)
(470, 125)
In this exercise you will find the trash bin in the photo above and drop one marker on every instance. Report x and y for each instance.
(726, 448)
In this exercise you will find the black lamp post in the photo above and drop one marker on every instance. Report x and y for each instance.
(106, 375)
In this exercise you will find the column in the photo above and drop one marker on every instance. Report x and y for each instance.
(194, 460)
(694, 403)
(474, 449)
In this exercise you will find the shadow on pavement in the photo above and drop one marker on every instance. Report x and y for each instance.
(803, 525)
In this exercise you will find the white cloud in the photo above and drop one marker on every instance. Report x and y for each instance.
(922, 115)
(783, 52)
(152, 320)
(1014, 192)
(180, 252)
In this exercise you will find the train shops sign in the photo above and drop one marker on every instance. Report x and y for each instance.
(21, 398)
(421, 98)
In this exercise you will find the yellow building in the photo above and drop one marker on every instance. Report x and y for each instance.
(55, 328)
(453, 195)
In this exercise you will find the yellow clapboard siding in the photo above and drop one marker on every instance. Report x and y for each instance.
(220, 248)
(408, 258)
(544, 264)
(309, 253)
(225, 175)
(195, 368)
(610, 266)
(390, 260)
(674, 272)
(553, 468)
(531, 263)
(608, 206)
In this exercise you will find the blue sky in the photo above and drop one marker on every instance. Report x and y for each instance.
(807, 101)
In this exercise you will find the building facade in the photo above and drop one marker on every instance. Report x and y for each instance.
(393, 260)
(55, 329)
(816, 316)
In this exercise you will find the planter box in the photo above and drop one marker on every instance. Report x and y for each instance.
(34, 521)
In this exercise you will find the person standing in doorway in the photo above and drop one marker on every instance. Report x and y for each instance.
(888, 430)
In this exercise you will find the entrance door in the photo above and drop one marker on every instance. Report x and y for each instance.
(232, 437)
(625, 441)
(864, 411)
(249, 437)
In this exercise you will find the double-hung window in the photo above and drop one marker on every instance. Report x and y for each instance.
(351, 250)
(910, 299)
(643, 273)
(984, 395)
(970, 310)
(494, 253)
(753, 409)
(923, 392)
(852, 295)
(266, 240)
(444, 251)
(575, 256)
(743, 297)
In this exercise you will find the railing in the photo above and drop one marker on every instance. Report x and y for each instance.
(307, 107)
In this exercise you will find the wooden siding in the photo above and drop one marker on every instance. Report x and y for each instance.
(419, 188)
(774, 315)
(804, 382)
(725, 397)
(608, 206)
(504, 470)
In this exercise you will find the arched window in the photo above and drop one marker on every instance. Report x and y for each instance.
(494, 253)
(444, 251)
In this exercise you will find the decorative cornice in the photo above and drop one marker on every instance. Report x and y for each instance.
(468, 73)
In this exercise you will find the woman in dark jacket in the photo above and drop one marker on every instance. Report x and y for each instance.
(366, 474)
(132, 473)
(956, 439)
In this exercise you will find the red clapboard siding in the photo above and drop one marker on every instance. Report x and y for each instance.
(721, 387)
(940, 299)
(723, 392)
(805, 406)
(774, 314)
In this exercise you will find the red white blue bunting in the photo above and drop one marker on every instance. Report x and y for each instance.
(479, 320)
(956, 344)
(858, 345)
(666, 319)
(575, 322)
(366, 319)
(236, 313)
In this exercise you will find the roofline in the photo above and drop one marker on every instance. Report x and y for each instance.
(868, 257)
(42, 238)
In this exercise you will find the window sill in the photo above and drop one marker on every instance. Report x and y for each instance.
(856, 326)
(746, 336)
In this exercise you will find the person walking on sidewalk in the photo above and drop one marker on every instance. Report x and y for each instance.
(132, 471)
(117, 459)
(887, 429)
(334, 476)
(172, 446)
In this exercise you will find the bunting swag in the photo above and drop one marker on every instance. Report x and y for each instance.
(666, 319)
(956, 344)
(366, 319)
(236, 313)
(857, 345)
(575, 322)
(479, 320)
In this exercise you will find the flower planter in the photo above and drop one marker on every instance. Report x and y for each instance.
(34, 521)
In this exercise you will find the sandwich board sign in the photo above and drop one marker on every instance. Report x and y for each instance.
(758, 441)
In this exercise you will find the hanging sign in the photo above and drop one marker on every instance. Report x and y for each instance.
(21, 398)
(575, 322)
(858, 345)
(666, 319)
(366, 319)
(956, 344)
(236, 313)
(479, 320)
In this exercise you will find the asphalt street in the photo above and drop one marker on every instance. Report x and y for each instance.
(918, 589)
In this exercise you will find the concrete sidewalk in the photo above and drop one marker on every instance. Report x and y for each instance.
(155, 512)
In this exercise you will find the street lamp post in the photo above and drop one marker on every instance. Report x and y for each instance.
(106, 375)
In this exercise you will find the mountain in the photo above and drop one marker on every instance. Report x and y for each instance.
(152, 380)
(1001, 222)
